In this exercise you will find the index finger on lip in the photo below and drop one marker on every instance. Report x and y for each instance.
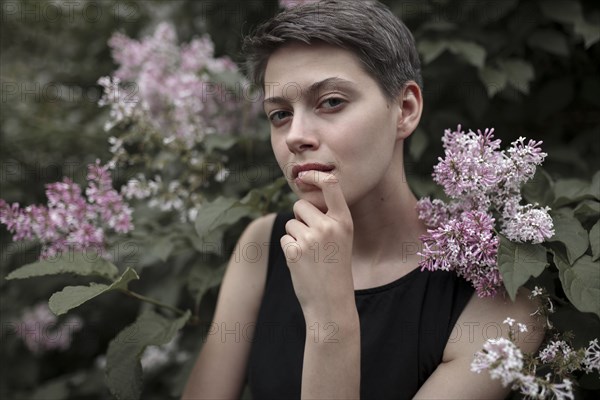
(332, 191)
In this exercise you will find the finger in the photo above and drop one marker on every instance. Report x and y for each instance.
(306, 212)
(291, 249)
(295, 228)
(337, 207)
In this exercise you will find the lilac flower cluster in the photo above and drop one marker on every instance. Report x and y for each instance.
(168, 98)
(40, 331)
(465, 244)
(503, 360)
(168, 88)
(480, 178)
(70, 220)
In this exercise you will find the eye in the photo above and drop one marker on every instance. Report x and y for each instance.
(276, 116)
(334, 102)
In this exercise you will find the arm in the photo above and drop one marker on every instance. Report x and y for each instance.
(331, 368)
(325, 290)
(453, 378)
(220, 369)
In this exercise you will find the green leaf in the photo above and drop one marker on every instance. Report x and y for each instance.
(123, 367)
(519, 73)
(564, 11)
(594, 189)
(571, 13)
(569, 231)
(219, 141)
(588, 31)
(219, 214)
(68, 262)
(517, 262)
(470, 51)
(581, 283)
(539, 189)
(595, 241)
(550, 41)
(571, 190)
(493, 79)
(203, 278)
(74, 296)
(585, 326)
(473, 53)
(431, 49)
(163, 247)
(587, 210)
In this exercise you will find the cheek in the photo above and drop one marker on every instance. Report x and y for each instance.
(280, 151)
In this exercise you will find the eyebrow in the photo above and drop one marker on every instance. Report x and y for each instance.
(312, 90)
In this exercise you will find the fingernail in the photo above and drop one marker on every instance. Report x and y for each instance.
(302, 173)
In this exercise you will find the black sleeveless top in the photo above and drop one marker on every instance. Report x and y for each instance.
(404, 327)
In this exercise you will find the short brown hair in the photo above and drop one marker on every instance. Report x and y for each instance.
(384, 45)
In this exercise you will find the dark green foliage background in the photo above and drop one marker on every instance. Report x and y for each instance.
(51, 126)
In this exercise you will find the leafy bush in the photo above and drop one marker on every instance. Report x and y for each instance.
(527, 68)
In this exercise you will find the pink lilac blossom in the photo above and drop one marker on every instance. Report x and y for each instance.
(172, 88)
(465, 244)
(69, 220)
(40, 331)
(482, 179)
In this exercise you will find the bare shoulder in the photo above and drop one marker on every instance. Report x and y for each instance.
(219, 371)
(260, 228)
(250, 257)
(483, 319)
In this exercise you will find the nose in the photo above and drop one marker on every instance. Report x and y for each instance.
(302, 134)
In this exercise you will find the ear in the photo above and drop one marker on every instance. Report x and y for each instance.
(410, 103)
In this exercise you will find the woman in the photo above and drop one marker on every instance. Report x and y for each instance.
(337, 307)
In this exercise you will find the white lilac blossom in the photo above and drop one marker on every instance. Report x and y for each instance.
(504, 361)
(529, 224)
(554, 349)
(480, 180)
(501, 358)
(592, 357)
(537, 291)
(155, 357)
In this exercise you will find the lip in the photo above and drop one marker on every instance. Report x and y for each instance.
(310, 167)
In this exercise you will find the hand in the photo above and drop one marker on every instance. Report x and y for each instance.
(318, 250)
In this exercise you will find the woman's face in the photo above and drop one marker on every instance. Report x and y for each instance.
(325, 109)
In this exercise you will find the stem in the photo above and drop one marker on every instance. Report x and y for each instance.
(152, 301)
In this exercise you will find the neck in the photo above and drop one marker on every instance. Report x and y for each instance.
(386, 225)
